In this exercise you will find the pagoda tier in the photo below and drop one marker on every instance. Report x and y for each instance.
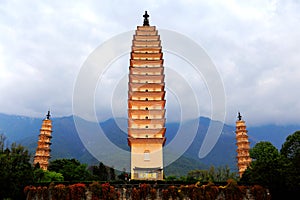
(146, 103)
(146, 114)
(146, 37)
(146, 141)
(146, 78)
(148, 95)
(146, 123)
(146, 56)
(146, 133)
(143, 87)
(243, 146)
(146, 71)
(146, 32)
(42, 154)
(146, 63)
(146, 50)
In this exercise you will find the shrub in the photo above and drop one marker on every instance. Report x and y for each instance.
(165, 194)
(96, 190)
(30, 191)
(59, 192)
(210, 191)
(259, 192)
(77, 191)
(153, 193)
(144, 190)
(135, 194)
(232, 190)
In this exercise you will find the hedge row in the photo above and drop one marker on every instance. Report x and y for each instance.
(97, 191)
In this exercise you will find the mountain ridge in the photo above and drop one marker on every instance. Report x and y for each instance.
(66, 142)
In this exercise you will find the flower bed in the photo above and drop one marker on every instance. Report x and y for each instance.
(145, 191)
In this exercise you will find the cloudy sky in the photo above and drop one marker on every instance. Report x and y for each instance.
(254, 46)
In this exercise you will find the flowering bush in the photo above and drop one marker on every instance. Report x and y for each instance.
(173, 191)
(259, 192)
(232, 190)
(165, 194)
(59, 192)
(105, 191)
(135, 194)
(109, 192)
(39, 191)
(191, 191)
(96, 190)
(45, 193)
(77, 191)
(153, 194)
(144, 190)
(210, 191)
(30, 191)
(113, 193)
(183, 191)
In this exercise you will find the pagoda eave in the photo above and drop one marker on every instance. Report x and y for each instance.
(146, 121)
(137, 87)
(146, 94)
(149, 56)
(146, 28)
(146, 50)
(146, 63)
(146, 37)
(159, 112)
(146, 141)
(149, 104)
(134, 131)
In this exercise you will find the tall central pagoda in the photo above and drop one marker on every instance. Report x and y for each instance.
(146, 104)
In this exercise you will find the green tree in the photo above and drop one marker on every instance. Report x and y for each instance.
(264, 152)
(38, 174)
(124, 175)
(15, 170)
(291, 152)
(220, 174)
(50, 176)
(171, 178)
(291, 148)
(266, 167)
(103, 175)
(71, 169)
(112, 174)
(41, 175)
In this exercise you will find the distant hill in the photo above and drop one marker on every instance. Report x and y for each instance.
(67, 144)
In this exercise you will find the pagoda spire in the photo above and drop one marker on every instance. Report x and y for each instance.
(146, 20)
(48, 114)
(239, 116)
(243, 145)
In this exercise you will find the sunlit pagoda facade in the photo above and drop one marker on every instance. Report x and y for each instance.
(42, 154)
(243, 146)
(146, 104)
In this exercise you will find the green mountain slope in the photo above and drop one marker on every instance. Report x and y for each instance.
(66, 142)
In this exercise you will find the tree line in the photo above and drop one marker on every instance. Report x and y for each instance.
(16, 171)
(278, 170)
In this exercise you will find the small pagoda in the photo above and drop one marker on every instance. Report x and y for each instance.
(146, 104)
(243, 146)
(42, 154)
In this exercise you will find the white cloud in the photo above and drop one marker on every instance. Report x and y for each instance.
(255, 46)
